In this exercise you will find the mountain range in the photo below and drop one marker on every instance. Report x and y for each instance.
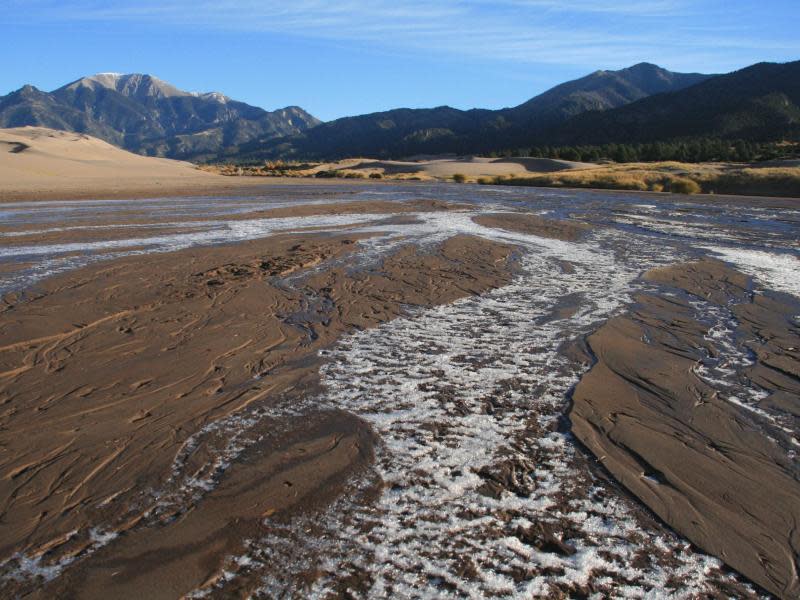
(405, 132)
(759, 103)
(642, 103)
(144, 114)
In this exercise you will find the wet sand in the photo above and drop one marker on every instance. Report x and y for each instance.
(112, 188)
(534, 225)
(368, 391)
(700, 461)
(107, 375)
(86, 236)
(123, 225)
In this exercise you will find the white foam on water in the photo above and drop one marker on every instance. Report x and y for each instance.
(774, 270)
(184, 225)
(234, 231)
(450, 391)
(675, 227)
(50, 259)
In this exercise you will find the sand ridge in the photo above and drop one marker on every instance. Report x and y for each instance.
(535, 225)
(39, 153)
(656, 411)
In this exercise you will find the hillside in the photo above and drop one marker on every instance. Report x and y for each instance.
(144, 114)
(397, 132)
(760, 103)
(602, 90)
(404, 132)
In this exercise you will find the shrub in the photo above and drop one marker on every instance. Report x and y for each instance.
(684, 186)
(619, 182)
(459, 178)
(376, 175)
(485, 180)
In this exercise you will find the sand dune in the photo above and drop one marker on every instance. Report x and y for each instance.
(36, 162)
(36, 153)
(41, 163)
(445, 167)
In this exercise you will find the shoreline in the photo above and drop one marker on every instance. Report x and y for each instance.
(246, 186)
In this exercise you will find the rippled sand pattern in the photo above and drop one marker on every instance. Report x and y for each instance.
(478, 487)
(484, 493)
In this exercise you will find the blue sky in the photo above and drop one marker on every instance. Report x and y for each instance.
(356, 56)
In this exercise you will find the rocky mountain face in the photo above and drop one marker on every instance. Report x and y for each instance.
(144, 114)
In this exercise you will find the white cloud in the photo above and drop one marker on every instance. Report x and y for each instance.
(576, 32)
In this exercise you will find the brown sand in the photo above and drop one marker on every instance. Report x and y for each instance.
(107, 371)
(534, 225)
(89, 235)
(700, 462)
(37, 163)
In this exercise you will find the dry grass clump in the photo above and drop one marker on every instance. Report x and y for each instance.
(376, 175)
(459, 178)
(340, 174)
(684, 186)
(604, 181)
(267, 169)
(767, 181)
(410, 177)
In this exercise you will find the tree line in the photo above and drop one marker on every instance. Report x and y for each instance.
(692, 151)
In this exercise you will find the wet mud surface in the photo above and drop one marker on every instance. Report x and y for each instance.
(699, 418)
(438, 391)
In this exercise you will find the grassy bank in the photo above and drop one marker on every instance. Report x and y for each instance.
(682, 178)
(675, 177)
